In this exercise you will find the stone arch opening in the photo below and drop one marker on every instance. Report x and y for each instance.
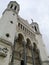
(19, 45)
(34, 46)
(28, 48)
(28, 42)
(20, 48)
(11, 6)
(36, 54)
(20, 38)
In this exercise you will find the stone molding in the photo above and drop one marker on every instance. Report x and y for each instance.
(6, 42)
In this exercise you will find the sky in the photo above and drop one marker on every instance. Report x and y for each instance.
(38, 10)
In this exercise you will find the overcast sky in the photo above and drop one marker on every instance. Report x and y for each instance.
(38, 10)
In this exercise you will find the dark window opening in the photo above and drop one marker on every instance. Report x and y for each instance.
(34, 44)
(21, 26)
(15, 7)
(35, 28)
(11, 6)
(18, 24)
(22, 62)
(7, 35)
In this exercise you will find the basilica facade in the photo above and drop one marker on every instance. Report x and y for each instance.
(20, 42)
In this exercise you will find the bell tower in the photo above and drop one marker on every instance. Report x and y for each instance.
(8, 31)
(13, 6)
(35, 27)
(8, 22)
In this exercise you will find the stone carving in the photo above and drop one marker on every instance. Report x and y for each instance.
(3, 52)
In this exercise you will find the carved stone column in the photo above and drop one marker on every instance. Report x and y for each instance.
(24, 50)
(33, 57)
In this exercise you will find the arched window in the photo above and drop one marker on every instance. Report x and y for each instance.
(35, 28)
(34, 44)
(11, 5)
(15, 7)
(28, 42)
(20, 38)
(18, 24)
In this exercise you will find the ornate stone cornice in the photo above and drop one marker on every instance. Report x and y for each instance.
(6, 42)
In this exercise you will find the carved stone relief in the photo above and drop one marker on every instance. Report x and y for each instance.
(3, 51)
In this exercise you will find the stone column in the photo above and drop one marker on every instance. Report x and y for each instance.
(13, 51)
(33, 56)
(39, 57)
(24, 50)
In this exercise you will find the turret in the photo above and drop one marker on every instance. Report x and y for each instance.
(13, 6)
(35, 27)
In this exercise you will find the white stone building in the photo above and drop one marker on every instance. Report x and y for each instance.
(20, 42)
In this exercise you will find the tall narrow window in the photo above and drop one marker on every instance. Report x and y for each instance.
(15, 7)
(21, 26)
(35, 28)
(34, 45)
(18, 24)
(11, 6)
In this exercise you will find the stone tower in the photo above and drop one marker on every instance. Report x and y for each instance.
(20, 42)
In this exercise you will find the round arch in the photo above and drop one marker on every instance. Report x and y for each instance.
(34, 45)
(36, 54)
(28, 42)
(20, 37)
